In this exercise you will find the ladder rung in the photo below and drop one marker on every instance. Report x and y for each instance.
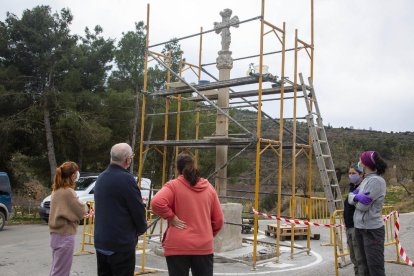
(322, 151)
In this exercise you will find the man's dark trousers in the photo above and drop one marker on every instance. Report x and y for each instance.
(117, 264)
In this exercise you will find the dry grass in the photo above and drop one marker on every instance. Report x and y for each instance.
(398, 196)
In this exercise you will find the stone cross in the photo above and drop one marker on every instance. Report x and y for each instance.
(224, 63)
(225, 31)
(230, 237)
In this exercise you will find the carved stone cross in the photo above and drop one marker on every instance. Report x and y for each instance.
(225, 31)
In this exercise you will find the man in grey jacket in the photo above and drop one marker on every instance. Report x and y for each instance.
(368, 222)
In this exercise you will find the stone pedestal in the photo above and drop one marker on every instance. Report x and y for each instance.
(230, 236)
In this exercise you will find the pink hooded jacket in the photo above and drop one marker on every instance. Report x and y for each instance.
(198, 206)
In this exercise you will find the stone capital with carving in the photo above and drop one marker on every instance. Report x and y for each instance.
(224, 60)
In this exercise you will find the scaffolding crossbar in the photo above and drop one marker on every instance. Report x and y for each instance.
(212, 142)
(247, 93)
(214, 85)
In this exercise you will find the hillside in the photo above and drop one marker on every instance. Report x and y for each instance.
(346, 144)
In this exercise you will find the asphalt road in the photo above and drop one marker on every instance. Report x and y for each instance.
(25, 250)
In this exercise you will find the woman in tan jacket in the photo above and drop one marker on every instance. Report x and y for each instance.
(65, 213)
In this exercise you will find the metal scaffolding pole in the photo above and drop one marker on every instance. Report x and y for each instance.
(144, 101)
(258, 134)
(280, 155)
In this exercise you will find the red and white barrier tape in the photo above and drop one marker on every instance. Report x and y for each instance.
(401, 250)
(296, 221)
(91, 213)
(387, 217)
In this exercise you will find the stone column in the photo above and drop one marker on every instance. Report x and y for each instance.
(224, 65)
(230, 236)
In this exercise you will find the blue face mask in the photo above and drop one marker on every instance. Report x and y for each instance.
(354, 178)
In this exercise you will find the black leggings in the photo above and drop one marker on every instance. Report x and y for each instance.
(179, 265)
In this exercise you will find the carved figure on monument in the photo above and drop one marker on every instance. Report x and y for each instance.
(225, 32)
(224, 60)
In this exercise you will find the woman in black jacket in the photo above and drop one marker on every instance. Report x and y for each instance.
(355, 175)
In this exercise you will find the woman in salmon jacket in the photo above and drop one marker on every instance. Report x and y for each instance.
(192, 208)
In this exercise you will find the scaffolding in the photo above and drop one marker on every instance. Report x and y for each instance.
(197, 97)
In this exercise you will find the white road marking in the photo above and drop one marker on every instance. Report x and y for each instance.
(276, 265)
(269, 264)
(317, 261)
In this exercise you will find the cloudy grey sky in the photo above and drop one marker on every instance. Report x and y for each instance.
(364, 56)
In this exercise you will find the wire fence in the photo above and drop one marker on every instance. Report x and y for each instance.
(25, 208)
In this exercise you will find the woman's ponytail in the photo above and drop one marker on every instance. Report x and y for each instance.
(186, 167)
(63, 175)
(380, 164)
(57, 180)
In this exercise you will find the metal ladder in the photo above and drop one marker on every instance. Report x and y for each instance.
(323, 155)
(321, 149)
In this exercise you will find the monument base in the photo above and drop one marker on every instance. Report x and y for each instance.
(230, 237)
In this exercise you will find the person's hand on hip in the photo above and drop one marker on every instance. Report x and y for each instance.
(178, 223)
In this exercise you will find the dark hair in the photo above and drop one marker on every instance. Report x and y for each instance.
(380, 164)
(186, 167)
(63, 176)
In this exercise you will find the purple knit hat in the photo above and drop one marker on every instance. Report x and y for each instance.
(367, 158)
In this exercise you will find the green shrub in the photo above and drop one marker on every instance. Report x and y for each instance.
(269, 202)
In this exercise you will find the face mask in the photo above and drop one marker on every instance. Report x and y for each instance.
(77, 176)
(354, 178)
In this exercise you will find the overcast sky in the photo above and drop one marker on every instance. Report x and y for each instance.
(364, 57)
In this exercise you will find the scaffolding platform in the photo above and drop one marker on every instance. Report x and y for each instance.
(207, 142)
(215, 85)
(212, 142)
(248, 93)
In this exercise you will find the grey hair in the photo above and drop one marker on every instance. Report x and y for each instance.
(120, 152)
